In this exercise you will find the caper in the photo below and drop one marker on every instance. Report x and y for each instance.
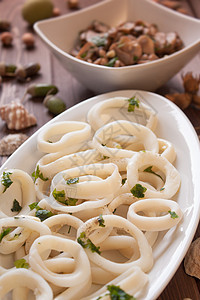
(54, 104)
(41, 90)
(35, 10)
(22, 73)
(7, 70)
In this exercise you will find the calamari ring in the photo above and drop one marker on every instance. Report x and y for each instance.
(73, 134)
(156, 223)
(81, 272)
(167, 150)
(9, 243)
(91, 187)
(146, 159)
(131, 281)
(145, 261)
(95, 119)
(110, 130)
(50, 164)
(25, 278)
(27, 189)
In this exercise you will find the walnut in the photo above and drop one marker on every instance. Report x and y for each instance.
(11, 142)
(192, 259)
(16, 116)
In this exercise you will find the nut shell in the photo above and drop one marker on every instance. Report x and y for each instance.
(192, 259)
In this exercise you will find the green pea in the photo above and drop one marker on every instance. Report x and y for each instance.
(54, 104)
(35, 10)
(41, 90)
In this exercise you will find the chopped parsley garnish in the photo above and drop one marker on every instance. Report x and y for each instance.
(87, 243)
(21, 263)
(6, 181)
(173, 214)
(112, 62)
(123, 180)
(34, 205)
(99, 40)
(4, 232)
(135, 57)
(116, 293)
(138, 191)
(101, 221)
(43, 214)
(37, 174)
(16, 206)
(59, 195)
(149, 170)
(72, 180)
(162, 189)
(133, 102)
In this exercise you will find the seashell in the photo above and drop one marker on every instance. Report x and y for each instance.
(192, 259)
(10, 142)
(16, 116)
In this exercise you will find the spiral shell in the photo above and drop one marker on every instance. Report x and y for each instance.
(16, 116)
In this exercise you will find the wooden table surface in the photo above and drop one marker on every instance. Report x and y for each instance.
(181, 286)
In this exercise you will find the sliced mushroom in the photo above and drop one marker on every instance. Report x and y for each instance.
(146, 43)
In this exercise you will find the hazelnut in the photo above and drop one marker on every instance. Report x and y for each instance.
(6, 38)
(28, 39)
(73, 3)
(56, 12)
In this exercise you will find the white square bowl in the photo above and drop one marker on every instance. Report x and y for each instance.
(60, 35)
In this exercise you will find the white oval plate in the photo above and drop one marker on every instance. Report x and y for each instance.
(174, 126)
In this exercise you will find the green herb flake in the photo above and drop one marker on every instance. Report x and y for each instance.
(135, 58)
(149, 170)
(124, 181)
(59, 195)
(173, 214)
(34, 205)
(133, 102)
(87, 243)
(21, 263)
(4, 232)
(6, 181)
(72, 180)
(83, 55)
(162, 189)
(99, 41)
(116, 293)
(43, 214)
(37, 174)
(101, 221)
(16, 206)
(112, 61)
(138, 191)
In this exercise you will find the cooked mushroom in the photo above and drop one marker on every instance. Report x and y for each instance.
(146, 43)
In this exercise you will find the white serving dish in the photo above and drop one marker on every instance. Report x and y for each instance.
(60, 35)
(174, 126)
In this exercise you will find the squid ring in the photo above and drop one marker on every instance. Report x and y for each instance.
(16, 278)
(71, 131)
(81, 271)
(110, 130)
(155, 223)
(144, 159)
(145, 261)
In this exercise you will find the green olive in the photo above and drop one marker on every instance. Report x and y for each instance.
(54, 104)
(35, 10)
